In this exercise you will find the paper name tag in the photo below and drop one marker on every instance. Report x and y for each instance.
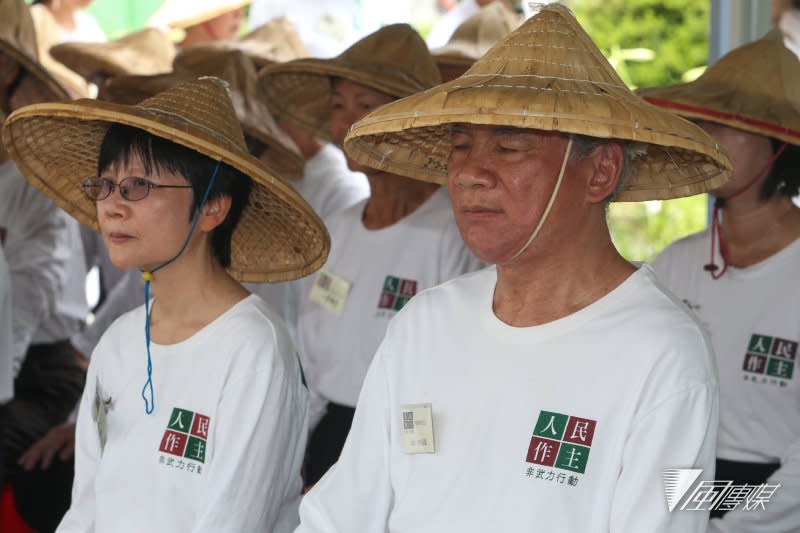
(417, 428)
(330, 292)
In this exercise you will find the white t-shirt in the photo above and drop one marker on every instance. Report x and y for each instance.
(86, 30)
(385, 268)
(125, 295)
(753, 315)
(45, 258)
(564, 427)
(223, 448)
(6, 339)
(329, 187)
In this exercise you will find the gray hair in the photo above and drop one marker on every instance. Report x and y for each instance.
(583, 145)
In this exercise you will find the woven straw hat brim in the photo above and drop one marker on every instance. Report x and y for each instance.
(454, 58)
(286, 162)
(476, 35)
(755, 88)
(301, 89)
(393, 60)
(278, 238)
(526, 81)
(116, 58)
(180, 14)
(686, 108)
(48, 88)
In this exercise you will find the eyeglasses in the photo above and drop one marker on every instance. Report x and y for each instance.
(131, 188)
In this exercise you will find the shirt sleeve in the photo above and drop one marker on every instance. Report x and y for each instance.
(126, 295)
(356, 493)
(258, 451)
(6, 339)
(780, 511)
(680, 431)
(39, 269)
(80, 518)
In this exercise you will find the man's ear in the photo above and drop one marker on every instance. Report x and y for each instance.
(606, 163)
(214, 212)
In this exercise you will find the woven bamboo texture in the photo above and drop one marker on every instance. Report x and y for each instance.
(754, 88)
(283, 156)
(547, 75)
(145, 52)
(278, 238)
(394, 60)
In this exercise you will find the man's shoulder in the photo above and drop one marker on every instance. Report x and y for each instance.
(456, 295)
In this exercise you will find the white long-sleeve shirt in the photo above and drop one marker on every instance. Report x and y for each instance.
(45, 258)
(329, 187)
(223, 448)
(385, 268)
(564, 427)
(6, 339)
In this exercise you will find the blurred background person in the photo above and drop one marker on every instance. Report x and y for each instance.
(738, 275)
(43, 248)
(473, 38)
(201, 20)
(385, 248)
(444, 28)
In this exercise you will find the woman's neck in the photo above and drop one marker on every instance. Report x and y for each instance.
(754, 229)
(392, 198)
(190, 293)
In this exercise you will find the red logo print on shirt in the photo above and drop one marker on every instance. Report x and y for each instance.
(186, 435)
(561, 441)
(769, 359)
(396, 293)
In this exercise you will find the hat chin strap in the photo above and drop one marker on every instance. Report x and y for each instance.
(549, 203)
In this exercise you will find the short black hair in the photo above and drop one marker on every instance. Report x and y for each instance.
(784, 178)
(122, 142)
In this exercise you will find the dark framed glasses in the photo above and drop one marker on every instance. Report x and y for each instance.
(131, 188)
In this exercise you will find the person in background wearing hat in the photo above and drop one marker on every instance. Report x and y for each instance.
(473, 38)
(386, 248)
(447, 25)
(201, 20)
(144, 52)
(214, 439)
(551, 391)
(43, 248)
(148, 51)
(61, 21)
(74, 22)
(739, 274)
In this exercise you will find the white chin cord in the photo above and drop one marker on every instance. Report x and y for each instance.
(549, 203)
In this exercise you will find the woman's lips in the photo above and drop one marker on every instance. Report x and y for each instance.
(119, 238)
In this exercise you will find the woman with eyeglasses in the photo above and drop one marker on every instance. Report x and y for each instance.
(194, 413)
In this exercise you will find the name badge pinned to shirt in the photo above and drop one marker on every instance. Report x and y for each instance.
(330, 292)
(417, 428)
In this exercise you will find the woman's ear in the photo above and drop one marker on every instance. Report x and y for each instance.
(214, 213)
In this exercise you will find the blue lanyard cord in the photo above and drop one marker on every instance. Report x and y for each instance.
(150, 403)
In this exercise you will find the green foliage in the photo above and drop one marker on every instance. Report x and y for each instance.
(676, 31)
(640, 230)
